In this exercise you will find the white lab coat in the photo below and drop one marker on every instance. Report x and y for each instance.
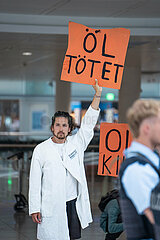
(47, 181)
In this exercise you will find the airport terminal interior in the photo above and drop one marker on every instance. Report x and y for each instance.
(33, 43)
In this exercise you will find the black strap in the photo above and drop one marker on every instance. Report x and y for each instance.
(148, 161)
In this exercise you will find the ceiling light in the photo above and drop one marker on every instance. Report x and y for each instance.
(26, 53)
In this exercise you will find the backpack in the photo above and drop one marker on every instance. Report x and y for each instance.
(114, 194)
(155, 200)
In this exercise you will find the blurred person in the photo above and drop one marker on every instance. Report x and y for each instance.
(137, 177)
(111, 219)
(58, 193)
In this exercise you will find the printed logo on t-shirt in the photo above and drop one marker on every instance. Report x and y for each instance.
(72, 155)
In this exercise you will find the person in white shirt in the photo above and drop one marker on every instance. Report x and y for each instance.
(58, 193)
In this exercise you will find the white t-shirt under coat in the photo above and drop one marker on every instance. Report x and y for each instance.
(71, 182)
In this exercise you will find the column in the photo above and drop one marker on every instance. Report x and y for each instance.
(130, 88)
(63, 95)
(63, 88)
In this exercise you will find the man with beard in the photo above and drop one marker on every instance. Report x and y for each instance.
(58, 193)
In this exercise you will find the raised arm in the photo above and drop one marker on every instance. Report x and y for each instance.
(85, 133)
(97, 96)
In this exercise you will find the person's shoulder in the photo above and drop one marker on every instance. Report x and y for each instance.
(139, 173)
(113, 203)
(72, 138)
(134, 168)
(128, 166)
(42, 144)
(112, 206)
(137, 167)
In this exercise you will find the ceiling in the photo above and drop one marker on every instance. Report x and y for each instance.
(40, 66)
(48, 49)
(89, 8)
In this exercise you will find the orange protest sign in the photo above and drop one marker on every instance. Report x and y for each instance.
(114, 138)
(95, 54)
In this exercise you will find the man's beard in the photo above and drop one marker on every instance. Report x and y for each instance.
(60, 137)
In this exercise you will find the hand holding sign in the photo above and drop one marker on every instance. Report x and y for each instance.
(96, 54)
(97, 88)
(97, 96)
